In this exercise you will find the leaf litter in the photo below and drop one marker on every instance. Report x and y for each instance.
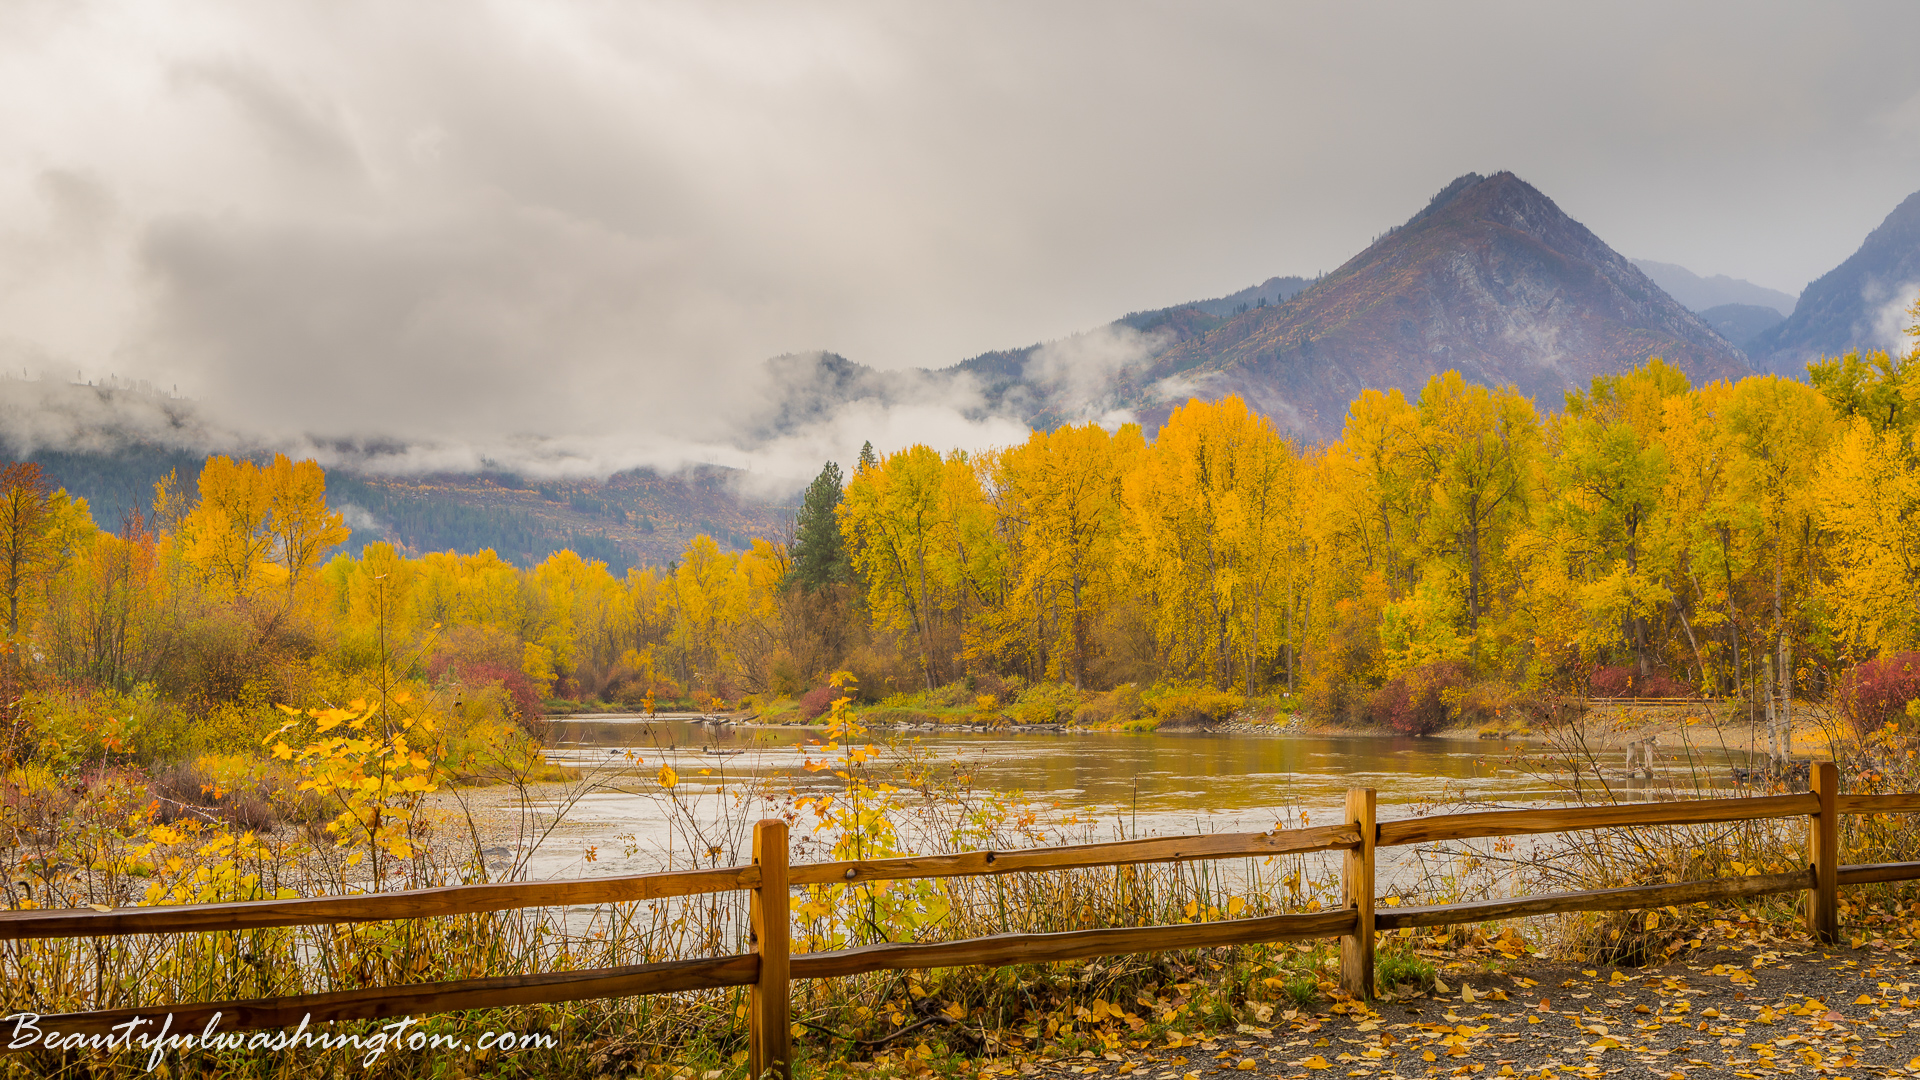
(1754, 1006)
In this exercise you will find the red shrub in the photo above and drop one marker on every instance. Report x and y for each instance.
(1620, 682)
(1611, 682)
(1876, 692)
(529, 711)
(1417, 702)
(816, 702)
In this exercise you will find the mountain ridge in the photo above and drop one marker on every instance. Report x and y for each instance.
(1490, 278)
(1701, 294)
(1856, 304)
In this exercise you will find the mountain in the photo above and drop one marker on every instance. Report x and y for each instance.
(1275, 290)
(1857, 304)
(1741, 323)
(110, 443)
(633, 518)
(1491, 279)
(1701, 293)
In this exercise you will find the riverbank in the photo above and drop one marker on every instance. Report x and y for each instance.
(1601, 726)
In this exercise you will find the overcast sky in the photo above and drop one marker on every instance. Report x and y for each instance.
(474, 220)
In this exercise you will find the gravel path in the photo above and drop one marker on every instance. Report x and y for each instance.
(1749, 1012)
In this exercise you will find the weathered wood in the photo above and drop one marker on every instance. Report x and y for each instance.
(1117, 853)
(1823, 843)
(769, 1041)
(1423, 830)
(1633, 896)
(1356, 890)
(1070, 945)
(1903, 803)
(1867, 873)
(373, 907)
(381, 1002)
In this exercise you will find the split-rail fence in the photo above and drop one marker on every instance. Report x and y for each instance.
(769, 969)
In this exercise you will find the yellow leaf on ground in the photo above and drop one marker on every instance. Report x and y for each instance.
(1317, 1062)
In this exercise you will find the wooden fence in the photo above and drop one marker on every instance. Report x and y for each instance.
(770, 967)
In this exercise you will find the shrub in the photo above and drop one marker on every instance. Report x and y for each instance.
(814, 703)
(1046, 703)
(1657, 685)
(1508, 708)
(954, 695)
(1875, 693)
(1421, 701)
(1194, 706)
(196, 790)
(528, 711)
(1116, 706)
(1619, 681)
(1611, 682)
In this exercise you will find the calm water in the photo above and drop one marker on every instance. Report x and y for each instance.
(1111, 785)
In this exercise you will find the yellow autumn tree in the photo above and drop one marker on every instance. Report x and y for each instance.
(1058, 501)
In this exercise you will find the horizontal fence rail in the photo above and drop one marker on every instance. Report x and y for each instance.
(1429, 830)
(374, 907)
(770, 968)
(1084, 856)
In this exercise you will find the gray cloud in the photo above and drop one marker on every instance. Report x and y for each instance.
(572, 233)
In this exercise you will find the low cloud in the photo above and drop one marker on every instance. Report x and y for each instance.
(1079, 370)
(563, 238)
(1892, 316)
(39, 415)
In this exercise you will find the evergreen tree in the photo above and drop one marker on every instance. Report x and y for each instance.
(819, 554)
(867, 459)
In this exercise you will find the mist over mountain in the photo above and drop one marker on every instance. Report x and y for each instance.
(111, 442)
(1491, 278)
(1859, 304)
(1701, 293)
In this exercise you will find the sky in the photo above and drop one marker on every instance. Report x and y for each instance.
(574, 231)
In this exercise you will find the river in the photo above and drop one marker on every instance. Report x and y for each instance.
(1102, 785)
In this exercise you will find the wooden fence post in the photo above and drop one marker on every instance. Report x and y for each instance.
(1356, 889)
(1823, 832)
(769, 1041)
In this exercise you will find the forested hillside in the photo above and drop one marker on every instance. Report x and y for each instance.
(1452, 552)
(630, 519)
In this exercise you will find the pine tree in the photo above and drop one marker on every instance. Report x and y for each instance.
(867, 458)
(820, 555)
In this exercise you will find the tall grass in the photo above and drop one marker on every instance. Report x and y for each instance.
(1580, 762)
(106, 844)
